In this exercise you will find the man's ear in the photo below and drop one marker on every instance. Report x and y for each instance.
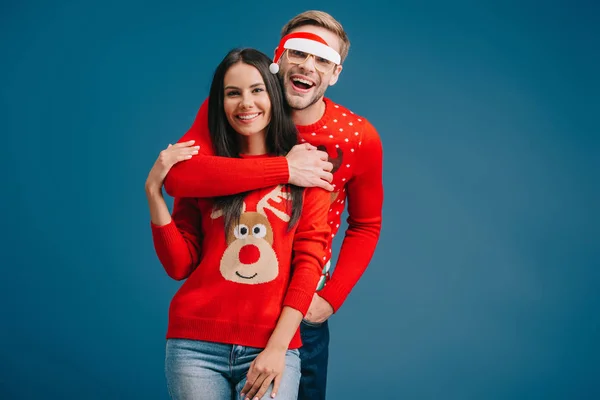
(336, 74)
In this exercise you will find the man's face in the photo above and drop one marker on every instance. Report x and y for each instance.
(305, 85)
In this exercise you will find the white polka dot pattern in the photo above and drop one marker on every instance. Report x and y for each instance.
(339, 135)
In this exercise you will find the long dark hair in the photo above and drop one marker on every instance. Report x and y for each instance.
(281, 132)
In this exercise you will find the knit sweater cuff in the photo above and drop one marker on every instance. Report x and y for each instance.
(298, 299)
(334, 294)
(276, 171)
(165, 234)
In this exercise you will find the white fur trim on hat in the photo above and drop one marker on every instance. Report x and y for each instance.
(313, 47)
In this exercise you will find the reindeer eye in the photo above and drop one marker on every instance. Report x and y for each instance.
(259, 231)
(240, 231)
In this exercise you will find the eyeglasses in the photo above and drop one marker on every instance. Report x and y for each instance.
(299, 57)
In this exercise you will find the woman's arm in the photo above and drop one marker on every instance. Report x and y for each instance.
(310, 250)
(177, 239)
(268, 366)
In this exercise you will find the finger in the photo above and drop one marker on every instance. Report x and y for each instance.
(188, 150)
(327, 166)
(276, 383)
(323, 155)
(256, 386)
(250, 378)
(326, 176)
(184, 154)
(263, 388)
(325, 185)
(309, 146)
(185, 144)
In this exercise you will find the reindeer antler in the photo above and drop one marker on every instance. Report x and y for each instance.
(277, 195)
(216, 213)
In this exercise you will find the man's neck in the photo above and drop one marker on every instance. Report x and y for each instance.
(309, 115)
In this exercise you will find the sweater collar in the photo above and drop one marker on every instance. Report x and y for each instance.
(321, 122)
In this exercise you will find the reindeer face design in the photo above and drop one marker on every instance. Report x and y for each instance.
(249, 257)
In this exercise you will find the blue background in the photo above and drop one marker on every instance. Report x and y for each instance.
(485, 283)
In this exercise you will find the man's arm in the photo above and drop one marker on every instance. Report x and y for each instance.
(303, 166)
(365, 201)
(309, 249)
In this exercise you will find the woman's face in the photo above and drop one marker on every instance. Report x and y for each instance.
(246, 102)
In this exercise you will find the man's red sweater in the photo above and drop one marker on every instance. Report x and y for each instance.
(245, 277)
(355, 149)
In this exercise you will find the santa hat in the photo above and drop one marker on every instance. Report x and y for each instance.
(306, 42)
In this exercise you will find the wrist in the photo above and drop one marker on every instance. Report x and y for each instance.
(277, 344)
(278, 347)
(153, 190)
(325, 296)
(289, 170)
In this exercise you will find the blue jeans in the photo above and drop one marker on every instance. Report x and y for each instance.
(314, 355)
(201, 370)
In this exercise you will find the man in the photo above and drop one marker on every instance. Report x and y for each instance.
(341, 152)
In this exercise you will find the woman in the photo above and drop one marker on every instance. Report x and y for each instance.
(251, 260)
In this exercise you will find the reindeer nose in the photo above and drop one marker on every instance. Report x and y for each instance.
(249, 254)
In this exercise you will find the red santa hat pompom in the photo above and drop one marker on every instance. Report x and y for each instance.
(307, 43)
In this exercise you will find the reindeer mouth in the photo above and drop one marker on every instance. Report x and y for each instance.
(246, 277)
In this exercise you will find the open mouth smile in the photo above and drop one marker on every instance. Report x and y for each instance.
(302, 84)
(247, 118)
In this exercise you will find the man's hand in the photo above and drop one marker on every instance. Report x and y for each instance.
(309, 167)
(319, 311)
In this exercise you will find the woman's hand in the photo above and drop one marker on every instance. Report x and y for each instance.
(166, 159)
(267, 367)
